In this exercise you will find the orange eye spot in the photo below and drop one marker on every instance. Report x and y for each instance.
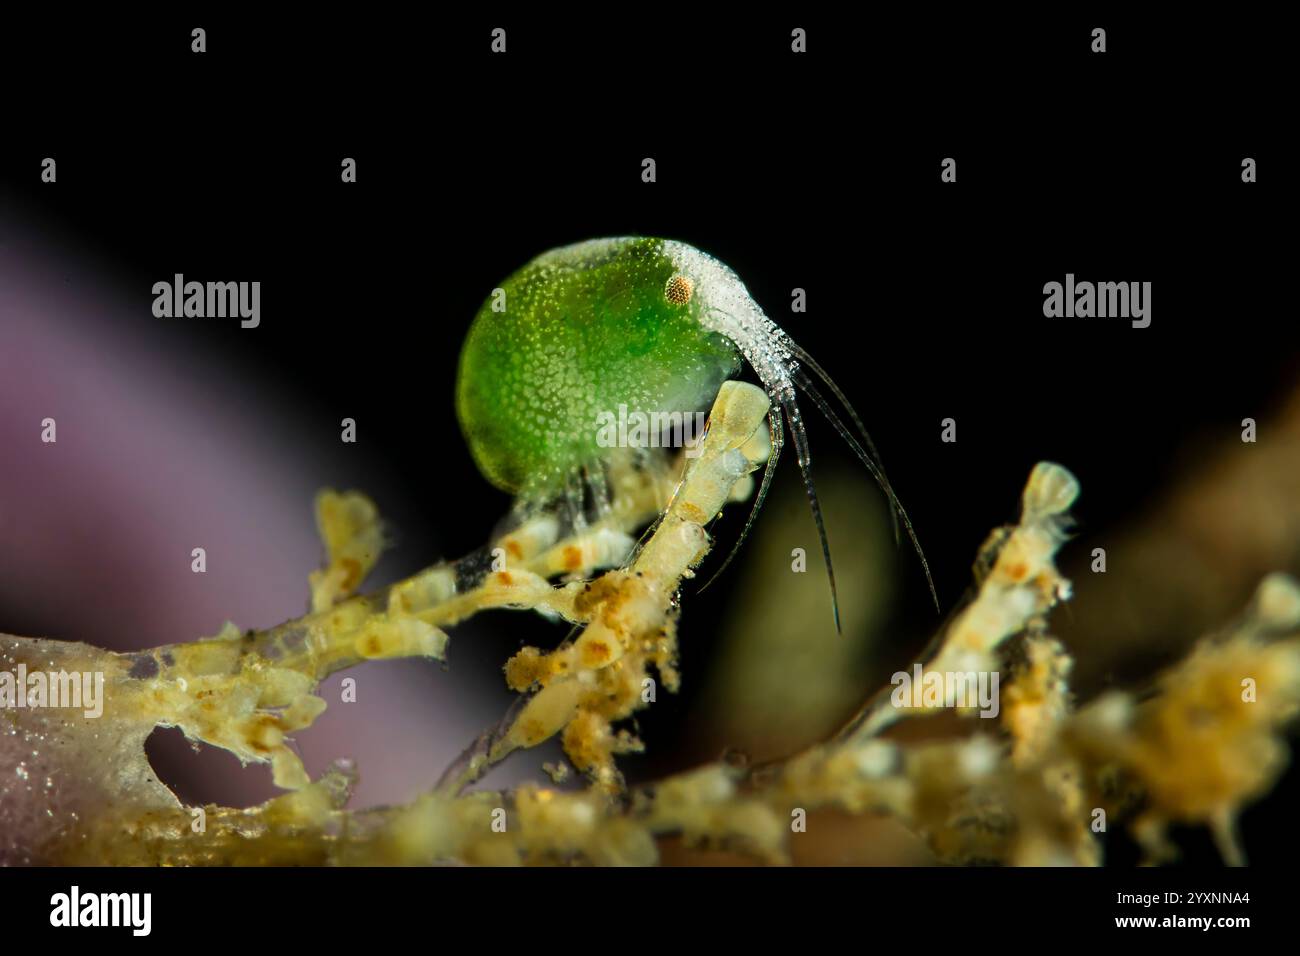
(678, 290)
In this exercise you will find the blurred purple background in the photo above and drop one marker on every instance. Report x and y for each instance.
(160, 451)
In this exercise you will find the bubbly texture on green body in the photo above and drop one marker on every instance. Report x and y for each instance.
(582, 331)
(629, 327)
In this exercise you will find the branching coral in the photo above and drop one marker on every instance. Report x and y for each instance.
(1029, 787)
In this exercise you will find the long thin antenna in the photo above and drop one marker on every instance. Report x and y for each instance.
(800, 438)
(778, 362)
(811, 391)
(854, 417)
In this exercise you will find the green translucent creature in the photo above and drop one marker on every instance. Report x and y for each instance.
(652, 325)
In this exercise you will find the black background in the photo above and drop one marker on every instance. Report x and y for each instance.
(817, 171)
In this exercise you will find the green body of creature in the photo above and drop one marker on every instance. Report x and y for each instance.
(628, 327)
(572, 336)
